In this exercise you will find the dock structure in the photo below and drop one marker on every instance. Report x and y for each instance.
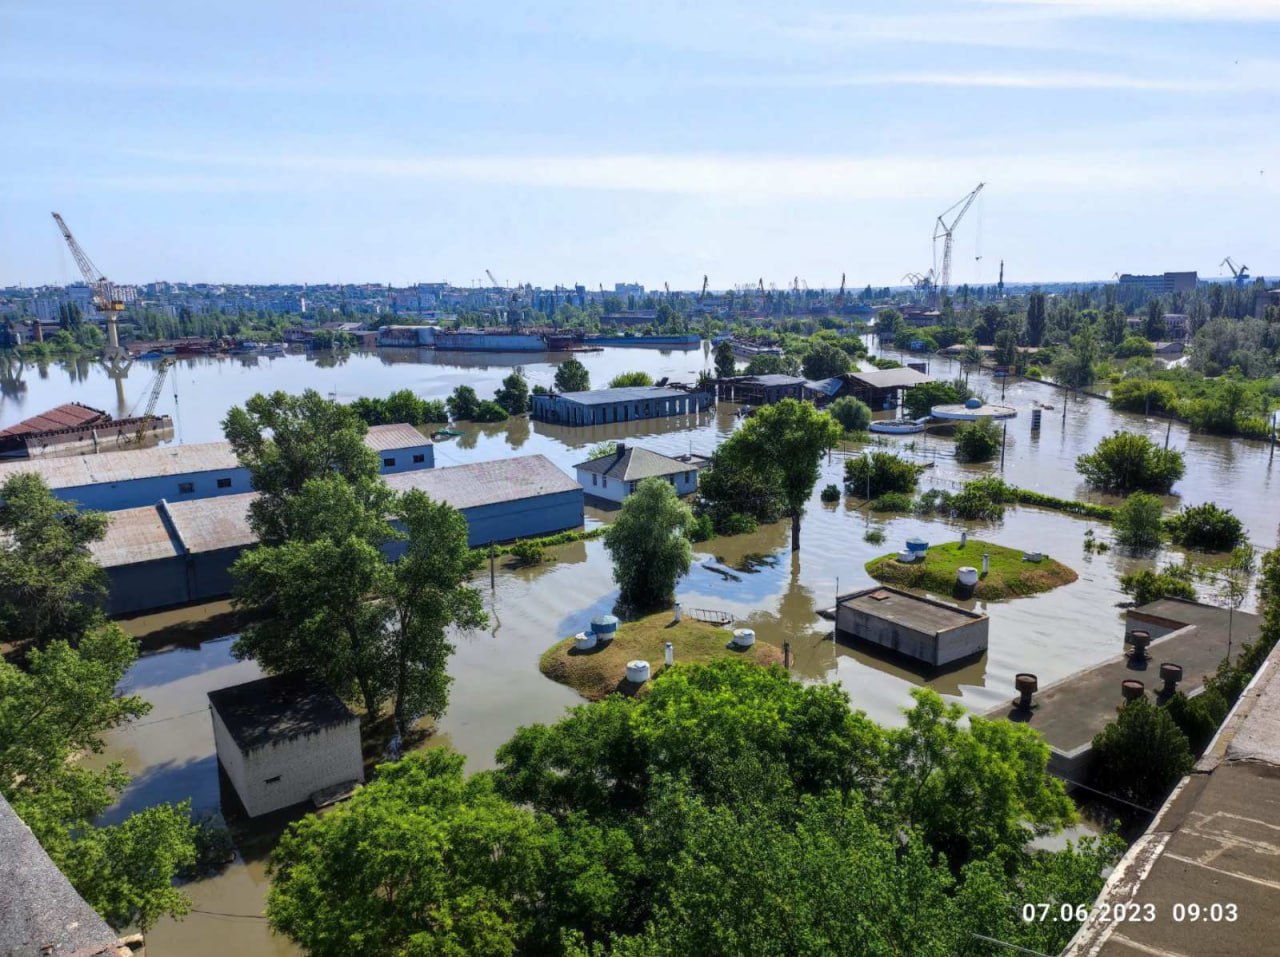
(177, 553)
(608, 406)
(134, 478)
(73, 427)
(928, 631)
(1070, 712)
(1207, 869)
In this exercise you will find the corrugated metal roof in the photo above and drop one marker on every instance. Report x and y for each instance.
(632, 464)
(629, 394)
(902, 378)
(487, 483)
(387, 438)
(64, 416)
(134, 535)
(771, 379)
(105, 468)
(825, 386)
(208, 524)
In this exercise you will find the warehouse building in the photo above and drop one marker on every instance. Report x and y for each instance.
(925, 630)
(606, 406)
(285, 739)
(761, 389)
(133, 478)
(614, 476)
(176, 553)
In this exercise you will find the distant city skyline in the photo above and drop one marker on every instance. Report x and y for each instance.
(648, 142)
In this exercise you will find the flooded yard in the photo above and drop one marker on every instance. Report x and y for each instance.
(497, 685)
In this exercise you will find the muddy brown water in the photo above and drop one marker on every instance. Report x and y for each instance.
(497, 686)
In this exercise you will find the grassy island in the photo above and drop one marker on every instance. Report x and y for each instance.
(598, 673)
(1010, 575)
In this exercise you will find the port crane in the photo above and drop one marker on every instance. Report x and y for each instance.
(1241, 273)
(106, 298)
(153, 397)
(946, 232)
(496, 284)
(703, 295)
(840, 294)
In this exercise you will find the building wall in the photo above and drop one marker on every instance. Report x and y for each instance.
(301, 766)
(952, 645)
(614, 490)
(524, 518)
(146, 586)
(556, 408)
(409, 459)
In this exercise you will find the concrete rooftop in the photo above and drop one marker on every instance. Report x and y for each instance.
(911, 611)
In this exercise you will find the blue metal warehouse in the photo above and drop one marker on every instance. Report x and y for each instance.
(604, 406)
(175, 553)
(109, 481)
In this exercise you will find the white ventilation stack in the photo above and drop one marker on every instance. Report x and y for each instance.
(637, 672)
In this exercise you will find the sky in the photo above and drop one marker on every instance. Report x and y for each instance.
(594, 142)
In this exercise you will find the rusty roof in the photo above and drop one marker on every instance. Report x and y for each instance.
(134, 535)
(65, 416)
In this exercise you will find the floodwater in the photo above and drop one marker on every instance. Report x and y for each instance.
(497, 686)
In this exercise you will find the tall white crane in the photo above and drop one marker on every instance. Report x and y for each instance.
(945, 231)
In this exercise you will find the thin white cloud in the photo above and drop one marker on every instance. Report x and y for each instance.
(1220, 10)
(1014, 80)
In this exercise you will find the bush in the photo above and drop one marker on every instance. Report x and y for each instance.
(880, 472)
(738, 523)
(1139, 521)
(1206, 527)
(1126, 462)
(977, 502)
(933, 501)
(920, 399)
(464, 403)
(514, 394)
(1147, 586)
(1141, 755)
(630, 379)
(215, 848)
(1145, 396)
(874, 535)
(978, 441)
(528, 551)
(489, 411)
(852, 414)
(1133, 346)
(830, 493)
(892, 502)
(701, 528)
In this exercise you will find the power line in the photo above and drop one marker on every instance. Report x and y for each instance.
(218, 913)
(1008, 946)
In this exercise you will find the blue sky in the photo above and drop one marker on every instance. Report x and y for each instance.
(398, 141)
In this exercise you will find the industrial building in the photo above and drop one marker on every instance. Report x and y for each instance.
(926, 630)
(614, 476)
(1158, 285)
(176, 553)
(285, 739)
(72, 426)
(607, 406)
(132, 478)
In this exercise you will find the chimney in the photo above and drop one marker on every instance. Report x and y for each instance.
(622, 447)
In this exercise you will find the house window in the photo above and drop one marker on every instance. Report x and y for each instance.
(688, 476)
(274, 780)
(186, 488)
(224, 483)
(389, 463)
(633, 486)
(419, 458)
(595, 478)
(604, 483)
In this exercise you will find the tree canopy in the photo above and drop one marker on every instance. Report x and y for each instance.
(572, 376)
(649, 544)
(635, 378)
(1127, 462)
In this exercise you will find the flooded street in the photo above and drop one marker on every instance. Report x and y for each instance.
(497, 685)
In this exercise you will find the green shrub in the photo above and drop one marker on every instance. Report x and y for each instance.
(1141, 755)
(1127, 462)
(738, 523)
(976, 502)
(1147, 586)
(1035, 372)
(630, 379)
(919, 399)
(1145, 396)
(215, 848)
(1206, 527)
(490, 411)
(879, 472)
(830, 493)
(934, 501)
(892, 502)
(978, 441)
(874, 535)
(853, 415)
(528, 551)
(701, 529)
(1139, 521)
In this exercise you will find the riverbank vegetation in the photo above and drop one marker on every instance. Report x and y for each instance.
(601, 671)
(680, 821)
(1010, 575)
(1127, 462)
(876, 474)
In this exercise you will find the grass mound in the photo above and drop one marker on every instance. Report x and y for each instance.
(598, 673)
(1010, 576)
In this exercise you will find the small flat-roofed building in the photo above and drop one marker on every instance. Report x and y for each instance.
(607, 406)
(880, 388)
(614, 476)
(926, 630)
(283, 739)
(131, 478)
(762, 389)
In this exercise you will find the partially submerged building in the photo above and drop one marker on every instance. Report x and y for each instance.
(881, 388)
(761, 389)
(283, 740)
(176, 553)
(73, 426)
(926, 630)
(615, 476)
(132, 478)
(607, 406)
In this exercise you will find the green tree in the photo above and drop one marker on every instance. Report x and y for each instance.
(824, 360)
(420, 861)
(50, 584)
(489, 411)
(1139, 521)
(572, 376)
(1006, 348)
(625, 379)
(978, 441)
(285, 441)
(787, 440)
(1207, 527)
(514, 394)
(852, 414)
(726, 363)
(768, 364)
(1146, 586)
(1035, 318)
(919, 399)
(463, 404)
(1074, 366)
(648, 544)
(1126, 461)
(1140, 755)
(879, 473)
(54, 711)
